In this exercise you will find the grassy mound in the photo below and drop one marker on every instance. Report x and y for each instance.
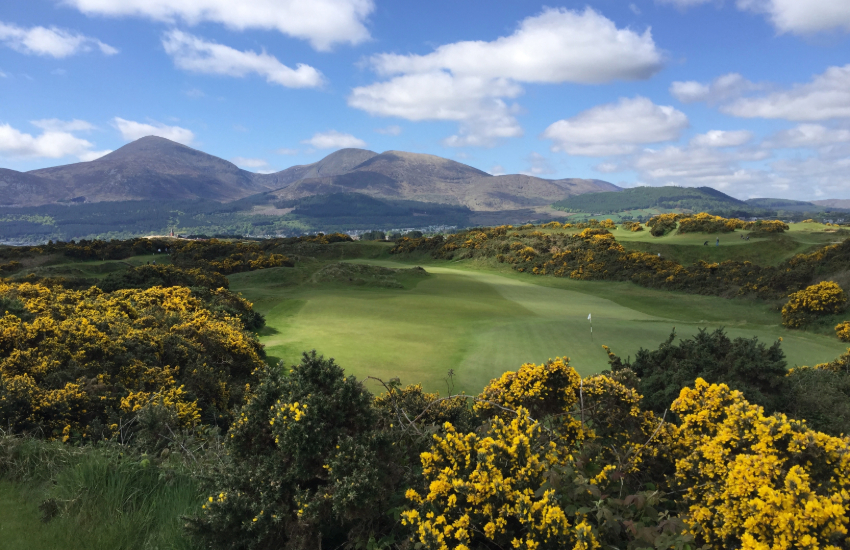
(363, 275)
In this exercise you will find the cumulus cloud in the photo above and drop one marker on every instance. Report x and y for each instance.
(607, 167)
(826, 97)
(93, 155)
(497, 170)
(49, 144)
(616, 128)
(559, 45)
(684, 3)
(702, 166)
(334, 140)
(722, 88)
(796, 17)
(56, 125)
(807, 135)
(538, 165)
(721, 138)
(200, 56)
(132, 130)
(473, 101)
(469, 82)
(322, 23)
(53, 41)
(391, 130)
(249, 162)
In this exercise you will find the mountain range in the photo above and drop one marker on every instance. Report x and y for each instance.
(157, 169)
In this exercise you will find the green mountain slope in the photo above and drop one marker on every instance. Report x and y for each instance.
(685, 198)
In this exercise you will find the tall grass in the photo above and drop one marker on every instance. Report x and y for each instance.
(99, 497)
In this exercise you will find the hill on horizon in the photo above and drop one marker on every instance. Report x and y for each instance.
(155, 168)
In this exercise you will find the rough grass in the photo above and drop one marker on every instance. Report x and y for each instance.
(92, 498)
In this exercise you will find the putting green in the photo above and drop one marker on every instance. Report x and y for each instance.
(482, 323)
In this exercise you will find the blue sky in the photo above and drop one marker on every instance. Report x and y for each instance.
(751, 97)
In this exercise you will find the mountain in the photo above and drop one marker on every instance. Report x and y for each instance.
(151, 168)
(399, 175)
(25, 189)
(637, 198)
(338, 162)
(155, 168)
(833, 203)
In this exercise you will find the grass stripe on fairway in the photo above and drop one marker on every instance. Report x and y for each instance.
(481, 323)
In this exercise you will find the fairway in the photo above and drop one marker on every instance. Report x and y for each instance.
(482, 323)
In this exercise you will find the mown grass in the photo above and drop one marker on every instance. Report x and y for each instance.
(480, 320)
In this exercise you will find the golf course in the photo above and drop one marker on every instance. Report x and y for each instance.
(388, 319)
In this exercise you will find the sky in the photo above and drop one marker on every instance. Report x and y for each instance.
(751, 97)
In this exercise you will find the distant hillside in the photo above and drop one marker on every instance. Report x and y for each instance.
(784, 205)
(398, 175)
(834, 203)
(686, 198)
(355, 209)
(154, 168)
(338, 162)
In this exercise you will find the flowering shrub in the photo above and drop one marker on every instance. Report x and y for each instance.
(816, 300)
(632, 226)
(753, 481)
(73, 363)
(547, 482)
(662, 224)
(842, 330)
(309, 467)
(595, 256)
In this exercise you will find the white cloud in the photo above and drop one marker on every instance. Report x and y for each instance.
(321, 22)
(703, 166)
(807, 135)
(392, 130)
(200, 56)
(53, 42)
(93, 155)
(285, 151)
(559, 45)
(497, 170)
(722, 138)
(634, 8)
(469, 82)
(607, 168)
(722, 88)
(616, 128)
(50, 144)
(682, 4)
(56, 125)
(334, 140)
(826, 97)
(473, 101)
(802, 17)
(538, 165)
(131, 131)
(249, 162)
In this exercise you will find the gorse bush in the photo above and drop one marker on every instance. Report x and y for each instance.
(803, 307)
(756, 481)
(596, 255)
(310, 466)
(74, 363)
(744, 364)
(842, 330)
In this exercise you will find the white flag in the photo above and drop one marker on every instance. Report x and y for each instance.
(588, 316)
